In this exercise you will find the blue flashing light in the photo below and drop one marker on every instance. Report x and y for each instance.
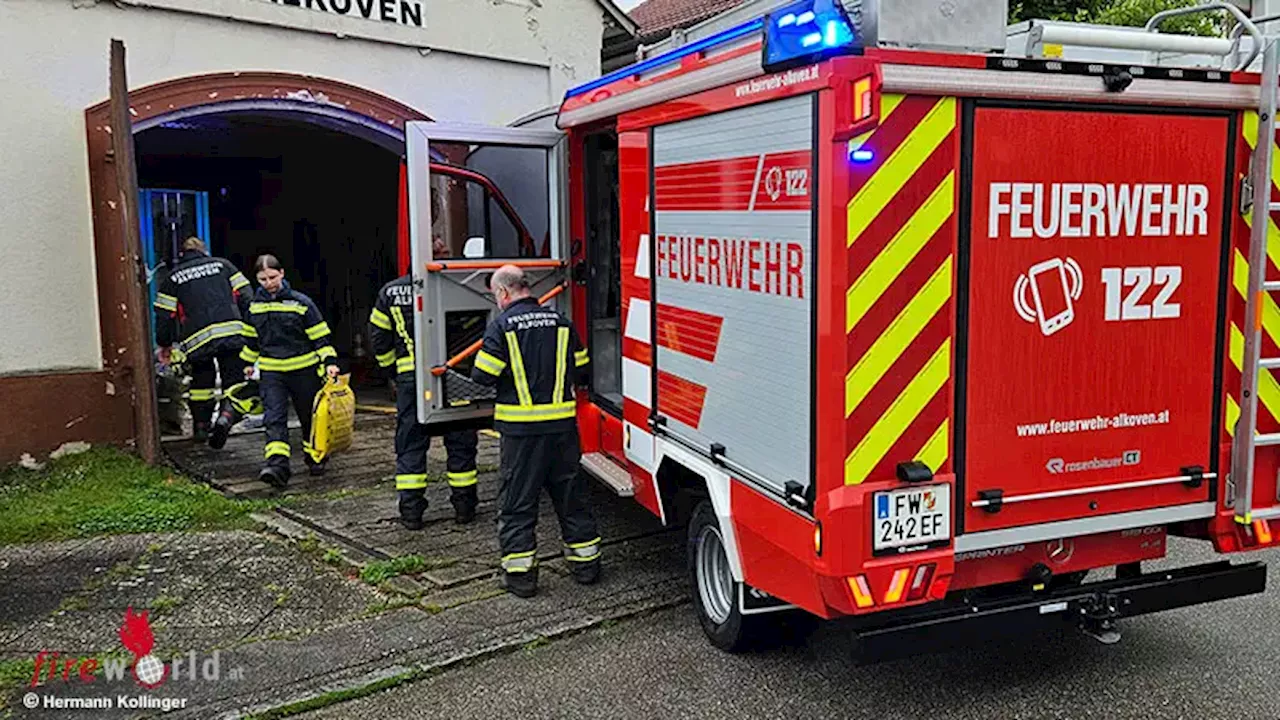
(862, 156)
(667, 58)
(807, 31)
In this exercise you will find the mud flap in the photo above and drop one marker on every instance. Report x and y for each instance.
(752, 601)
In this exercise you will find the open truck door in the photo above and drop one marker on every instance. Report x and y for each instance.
(479, 197)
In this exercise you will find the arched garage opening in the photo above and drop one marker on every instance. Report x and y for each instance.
(305, 168)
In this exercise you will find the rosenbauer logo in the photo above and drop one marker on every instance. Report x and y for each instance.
(1057, 466)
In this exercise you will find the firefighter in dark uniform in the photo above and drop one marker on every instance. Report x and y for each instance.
(391, 332)
(289, 341)
(533, 355)
(199, 308)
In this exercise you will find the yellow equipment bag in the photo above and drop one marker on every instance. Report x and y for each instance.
(333, 418)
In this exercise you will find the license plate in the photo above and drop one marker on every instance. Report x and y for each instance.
(911, 518)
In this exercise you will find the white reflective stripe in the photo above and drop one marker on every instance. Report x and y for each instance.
(402, 329)
(1084, 526)
(639, 320)
(379, 319)
(517, 369)
(642, 253)
(562, 358)
(582, 552)
(264, 307)
(489, 363)
(519, 562)
(213, 332)
(637, 382)
(638, 445)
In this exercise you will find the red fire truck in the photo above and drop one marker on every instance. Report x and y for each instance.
(910, 337)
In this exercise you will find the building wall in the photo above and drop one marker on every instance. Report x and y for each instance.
(471, 60)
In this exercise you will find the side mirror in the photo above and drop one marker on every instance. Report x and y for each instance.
(474, 248)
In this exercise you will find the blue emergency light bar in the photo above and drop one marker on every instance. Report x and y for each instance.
(667, 58)
(805, 31)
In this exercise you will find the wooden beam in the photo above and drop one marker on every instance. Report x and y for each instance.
(137, 314)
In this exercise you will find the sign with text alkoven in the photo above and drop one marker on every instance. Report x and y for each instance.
(396, 12)
(1094, 269)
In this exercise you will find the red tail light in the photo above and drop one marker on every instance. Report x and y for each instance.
(920, 582)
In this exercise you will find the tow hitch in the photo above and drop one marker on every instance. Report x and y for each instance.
(1098, 615)
(1093, 607)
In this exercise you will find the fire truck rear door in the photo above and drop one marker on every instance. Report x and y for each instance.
(479, 197)
(1091, 328)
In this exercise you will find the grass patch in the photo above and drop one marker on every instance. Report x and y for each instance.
(378, 608)
(15, 674)
(375, 573)
(164, 604)
(107, 492)
(538, 642)
(332, 557)
(337, 696)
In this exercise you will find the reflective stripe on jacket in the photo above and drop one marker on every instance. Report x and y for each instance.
(391, 325)
(285, 332)
(533, 356)
(200, 304)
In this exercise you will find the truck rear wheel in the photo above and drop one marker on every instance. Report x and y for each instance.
(715, 592)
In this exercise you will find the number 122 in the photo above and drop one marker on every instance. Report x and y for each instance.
(1141, 278)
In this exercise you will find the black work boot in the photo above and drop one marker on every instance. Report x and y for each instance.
(464, 501)
(587, 573)
(200, 432)
(222, 423)
(274, 476)
(412, 507)
(317, 468)
(521, 584)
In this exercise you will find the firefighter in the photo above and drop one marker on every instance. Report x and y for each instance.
(199, 307)
(533, 356)
(289, 341)
(391, 332)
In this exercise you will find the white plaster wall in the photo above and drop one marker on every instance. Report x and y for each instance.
(53, 65)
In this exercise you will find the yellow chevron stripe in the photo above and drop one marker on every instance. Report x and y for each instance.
(895, 421)
(1268, 388)
(1250, 129)
(888, 103)
(1233, 415)
(1270, 312)
(934, 452)
(900, 251)
(906, 159)
(891, 344)
(1273, 238)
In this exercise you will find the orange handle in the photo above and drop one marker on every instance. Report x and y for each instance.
(474, 347)
(491, 264)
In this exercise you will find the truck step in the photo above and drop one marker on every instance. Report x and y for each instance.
(610, 473)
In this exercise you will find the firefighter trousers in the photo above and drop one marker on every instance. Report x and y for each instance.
(412, 443)
(530, 463)
(278, 390)
(204, 375)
